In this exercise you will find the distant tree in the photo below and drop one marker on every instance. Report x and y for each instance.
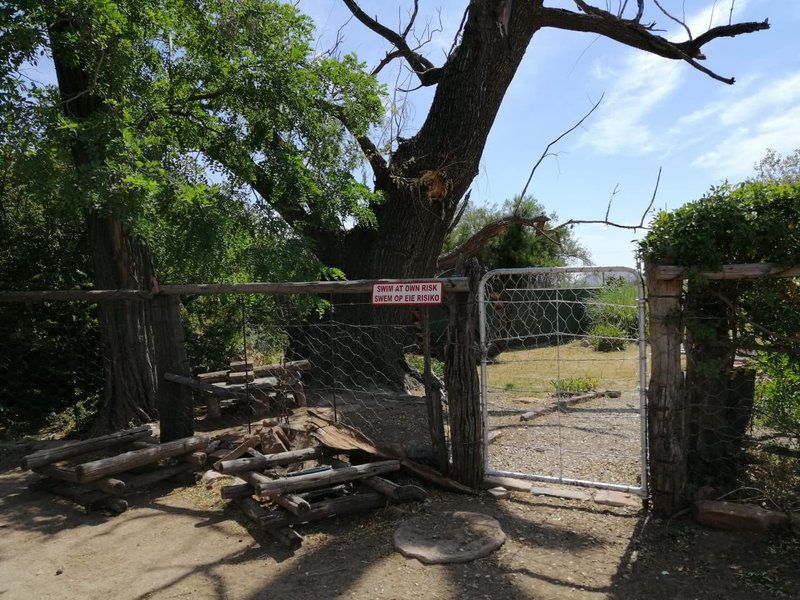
(514, 243)
(783, 169)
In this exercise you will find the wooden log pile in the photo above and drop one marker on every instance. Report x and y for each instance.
(263, 383)
(280, 490)
(97, 473)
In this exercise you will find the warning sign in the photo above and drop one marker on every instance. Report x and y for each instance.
(407, 292)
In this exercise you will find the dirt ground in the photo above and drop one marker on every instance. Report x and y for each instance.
(596, 440)
(183, 542)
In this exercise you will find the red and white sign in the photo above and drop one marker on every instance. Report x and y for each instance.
(407, 292)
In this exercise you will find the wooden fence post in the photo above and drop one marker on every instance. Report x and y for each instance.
(433, 397)
(461, 382)
(175, 403)
(666, 411)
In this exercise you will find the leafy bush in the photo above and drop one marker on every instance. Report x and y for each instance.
(777, 398)
(417, 362)
(607, 338)
(613, 314)
(567, 386)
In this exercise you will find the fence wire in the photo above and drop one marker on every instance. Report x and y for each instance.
(741, 368)
(363, 364)
(563, 372)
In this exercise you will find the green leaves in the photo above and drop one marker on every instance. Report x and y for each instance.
(746, 223)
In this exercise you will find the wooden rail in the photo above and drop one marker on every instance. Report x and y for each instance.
(731, 272)
(360, 286)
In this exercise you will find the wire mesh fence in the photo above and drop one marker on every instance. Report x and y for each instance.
(742, 389)
(51, 364)
(362, 364)
(563, 375)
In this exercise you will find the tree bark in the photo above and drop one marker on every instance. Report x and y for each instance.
(118, 260)
(720, 397)
(666, 409)
(463, 392)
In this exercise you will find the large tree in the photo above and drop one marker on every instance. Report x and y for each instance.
(425, 177)
(133, 102)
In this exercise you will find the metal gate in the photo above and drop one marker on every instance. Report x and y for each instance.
(563, 375)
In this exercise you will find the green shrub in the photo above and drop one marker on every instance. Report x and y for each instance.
(777, 397)
(418, 362)
(607, 338)
(615, 305)
(567, 386)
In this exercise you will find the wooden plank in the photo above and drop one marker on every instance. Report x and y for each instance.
(240, 365)
(175, 402)
(326, 508)
(259, 463)
(73, 295)
(249, 442)
(196, 384)
(391, 490)
(253, 510)
(310, 481)
(729, 272)
(241, 377)
(449, 284)
(666, 408)
(282, 369)
(51, 455)
(103, 467)
(294, 504)
(258, 383)
(213, 377)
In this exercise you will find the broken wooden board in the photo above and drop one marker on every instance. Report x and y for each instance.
(339, 436)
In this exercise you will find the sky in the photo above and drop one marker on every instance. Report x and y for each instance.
(656, 113)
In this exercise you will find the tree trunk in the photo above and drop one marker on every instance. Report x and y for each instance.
(125, 326)
(118, 261)
(461, 381)
(716, 394)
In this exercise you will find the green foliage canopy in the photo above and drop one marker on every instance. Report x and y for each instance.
(518, 246)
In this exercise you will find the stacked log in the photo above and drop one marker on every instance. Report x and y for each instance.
(261, 382)
(100, 482)
(276, 493)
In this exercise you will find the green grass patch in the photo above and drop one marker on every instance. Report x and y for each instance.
(567, 386)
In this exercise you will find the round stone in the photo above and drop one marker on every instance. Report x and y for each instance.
(450, 537)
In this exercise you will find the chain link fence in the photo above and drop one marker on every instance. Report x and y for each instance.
(563, 374)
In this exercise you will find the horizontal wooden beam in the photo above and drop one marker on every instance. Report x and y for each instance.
(73, 295)
(360, 286)
(730, 272)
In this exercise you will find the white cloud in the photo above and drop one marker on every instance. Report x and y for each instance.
(640, 85)
(735, 154)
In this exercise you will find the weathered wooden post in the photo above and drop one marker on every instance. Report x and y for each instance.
(461, 380)
(666, 412)
(175, 404)
(433, 397)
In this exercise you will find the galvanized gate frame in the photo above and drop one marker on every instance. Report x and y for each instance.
(642, 344)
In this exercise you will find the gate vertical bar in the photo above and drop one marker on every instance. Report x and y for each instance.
(642, 385)
(484, 356)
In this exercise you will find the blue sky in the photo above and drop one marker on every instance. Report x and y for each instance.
(655, 113)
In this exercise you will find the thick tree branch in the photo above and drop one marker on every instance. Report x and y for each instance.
(368, 147)
(249, 171)
(632, 33)
(473, 245)
(426, 71)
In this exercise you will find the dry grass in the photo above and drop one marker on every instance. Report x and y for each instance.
(533, 371)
